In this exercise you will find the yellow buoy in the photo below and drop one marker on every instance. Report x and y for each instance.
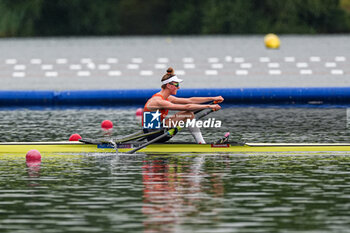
(272, 41)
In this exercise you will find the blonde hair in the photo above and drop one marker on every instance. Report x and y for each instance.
(169, 74)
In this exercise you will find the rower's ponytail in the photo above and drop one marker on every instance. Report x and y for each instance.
(170, 70)
(169, 73)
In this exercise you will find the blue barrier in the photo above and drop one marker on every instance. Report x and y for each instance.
(104, 97)
(316, 95)
(22, 98)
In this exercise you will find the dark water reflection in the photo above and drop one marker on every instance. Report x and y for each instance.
(176, 193)
(276, 192)
(250, 124)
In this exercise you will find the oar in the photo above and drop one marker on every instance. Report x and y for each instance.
(138, 135)
(142, 135)
(170, 132)
(130, 137)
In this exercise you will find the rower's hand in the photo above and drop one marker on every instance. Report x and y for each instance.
(218, 99)
(215, 107)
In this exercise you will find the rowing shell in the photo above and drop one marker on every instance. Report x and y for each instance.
(79, 147)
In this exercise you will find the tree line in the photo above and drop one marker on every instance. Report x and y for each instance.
(172, 17)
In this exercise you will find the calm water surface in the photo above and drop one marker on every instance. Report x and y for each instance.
(273, 192)
(252, 124)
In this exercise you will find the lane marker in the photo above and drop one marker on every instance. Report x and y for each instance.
(330, 64)
(18, 74)
(86, 60)
(211, 72)
(11, 61)
(340, 58)
(246, 65)
(47, 67)
(83, 73)
(275, 72)
(264, 59)
(289, 59)
(146, 72)
(35, 61)
(75, 67)
(241, 72)
(19, 67)
(306, 72)
(187, 60)
(189, 66)
(160, 66)
(337, 72)
(163, 60)
(217, 66)
(315, 59)
(302, 65)
(238, 59)
(114, 73)
(137, 60)
(180, 72)
(51, 74)
(91, 66)
(61, 60)
(133, 66)
(112, 60)
(213, 60)
(228, 59)
(103, 67)
(273, 65)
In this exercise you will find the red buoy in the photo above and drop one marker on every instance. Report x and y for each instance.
(106, 124)
(33, 156)
(139, 112)
(74, 137)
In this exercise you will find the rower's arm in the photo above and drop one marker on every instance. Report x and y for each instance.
(194, 100)
(185, 107)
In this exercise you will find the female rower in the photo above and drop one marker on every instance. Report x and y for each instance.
(165, 100)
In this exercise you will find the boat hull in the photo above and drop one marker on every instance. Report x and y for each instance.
(78, 147)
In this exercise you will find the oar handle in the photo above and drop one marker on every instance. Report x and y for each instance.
(210, 103)
(201, 113)
(170, 132)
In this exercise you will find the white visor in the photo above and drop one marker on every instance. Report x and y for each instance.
(172, 79)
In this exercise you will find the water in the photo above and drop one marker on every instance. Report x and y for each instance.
(182, 193)
(250, 124)
(252, 192)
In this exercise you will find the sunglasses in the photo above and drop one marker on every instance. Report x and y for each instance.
(175, 84)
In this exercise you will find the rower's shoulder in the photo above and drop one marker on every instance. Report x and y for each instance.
(156, 98)
(171, 98)
(159, 97)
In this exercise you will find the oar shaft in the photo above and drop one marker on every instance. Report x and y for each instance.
(141, 135)
(170, 132)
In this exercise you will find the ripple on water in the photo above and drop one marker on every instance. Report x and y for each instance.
(252, 192)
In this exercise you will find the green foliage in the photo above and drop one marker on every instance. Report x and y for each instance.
(77, 17)
(17, 17)
(327, 17)
(131, 17)
(227, 16)
(345, 5)
(279, 17)
(185, 17)
(143, 17)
